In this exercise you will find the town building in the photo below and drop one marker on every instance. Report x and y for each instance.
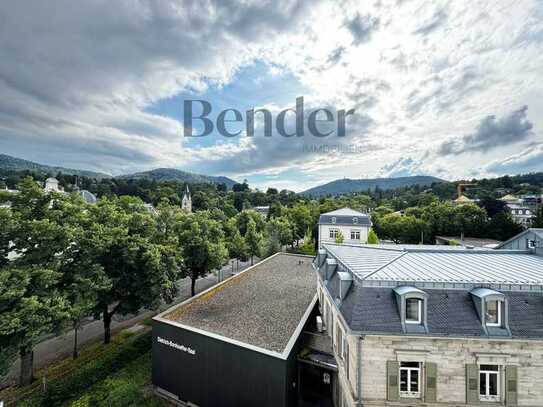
(353, 225)
(237, 343)
(433, 326)
(52, 185)
(530, 239)
(261, 210)
(469, 242)
(186, 201)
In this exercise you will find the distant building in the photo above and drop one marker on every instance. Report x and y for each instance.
(522, 214)
(463, 200)
(186, 202)
(88, 196)
(468, 242)
(52, 185)
(522, 209)
(353, 225)
(531, 239)
(262, 210)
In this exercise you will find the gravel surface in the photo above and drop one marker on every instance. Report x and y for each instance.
(261, 307)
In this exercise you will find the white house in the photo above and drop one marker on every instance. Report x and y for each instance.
(353, 225)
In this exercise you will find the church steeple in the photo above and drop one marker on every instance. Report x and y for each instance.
(186, 202)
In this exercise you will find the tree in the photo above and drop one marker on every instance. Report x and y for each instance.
(308, 248)
(503, 227)
(282, 229)
(300, 218)
(81, 279)
(403, 229)
(254, 240)
(470, 220)
(202, 245)
(237, 248)
(140, 268)
(538, 220)
(372, 237)
(31, 302)
(339, 237)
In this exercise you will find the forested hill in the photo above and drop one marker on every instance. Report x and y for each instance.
(9, 163)
(347, 186)
(170, 174)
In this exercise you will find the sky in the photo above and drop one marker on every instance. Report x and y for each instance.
(449, 89)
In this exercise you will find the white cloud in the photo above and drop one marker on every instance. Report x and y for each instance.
(77, 81)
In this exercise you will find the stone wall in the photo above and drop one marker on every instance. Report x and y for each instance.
(451, 357)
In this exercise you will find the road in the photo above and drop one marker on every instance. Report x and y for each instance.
(59, 347)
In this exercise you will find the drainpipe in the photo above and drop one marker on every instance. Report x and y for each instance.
(359, 372)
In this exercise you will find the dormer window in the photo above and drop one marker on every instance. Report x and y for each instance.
(413, 311)
(333, 219)
(492, 307)
(355, 221)
(412, 307)
(493, 314)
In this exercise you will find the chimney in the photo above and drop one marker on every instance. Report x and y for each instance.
(331, 266)
(321, 256)
(345, 282)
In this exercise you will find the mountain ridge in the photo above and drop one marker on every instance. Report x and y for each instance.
(349, 185)
(8, 162)
(172, 174)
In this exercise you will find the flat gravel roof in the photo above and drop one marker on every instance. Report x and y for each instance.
(261, 306)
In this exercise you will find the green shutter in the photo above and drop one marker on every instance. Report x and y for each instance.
(393, 370)
(511, 383)
(430, 394)
(472, 384)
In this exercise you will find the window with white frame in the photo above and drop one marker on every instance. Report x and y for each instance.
(355, 234)
(410, 379)
(413, 311)
(355, 221)
(489, 383)
(493, 313)
(333, 219)
(334, 233)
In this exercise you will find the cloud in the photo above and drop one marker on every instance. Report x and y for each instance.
(492, 133)
(361, 27)
(528, 160)
(84, 86)
(76, 80)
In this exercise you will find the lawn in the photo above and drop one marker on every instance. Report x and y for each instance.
(114, 375)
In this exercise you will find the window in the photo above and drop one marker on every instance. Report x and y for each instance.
(355, 235)
(333, 219)
(489, 383)
(355, 221)
(334, 233)
(493, 314)
(339, 342)
(413, 311)
(410, 379)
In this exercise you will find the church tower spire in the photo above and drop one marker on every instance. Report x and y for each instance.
(186, 202)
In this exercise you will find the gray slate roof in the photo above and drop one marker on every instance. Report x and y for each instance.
(370, 306)
(261, 306)
(345, 216)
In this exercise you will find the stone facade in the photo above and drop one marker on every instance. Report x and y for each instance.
(366, 371)
(451, 357)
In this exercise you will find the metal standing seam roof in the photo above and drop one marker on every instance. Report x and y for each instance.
(441, 266)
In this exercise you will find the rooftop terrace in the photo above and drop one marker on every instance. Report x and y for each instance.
(261, 306)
